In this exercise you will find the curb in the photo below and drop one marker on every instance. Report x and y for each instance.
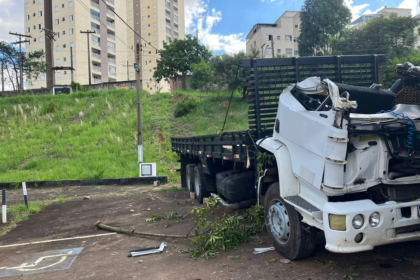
(87, 182)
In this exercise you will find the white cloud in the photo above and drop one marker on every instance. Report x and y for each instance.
(198, 17)
(411, 4)
(11, 18)
(356, 10)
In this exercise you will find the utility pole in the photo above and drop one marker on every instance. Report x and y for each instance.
(20, 56)
(272, 45)
(137, 66)
(262, 50)
(50, 36)
(128, 70)
(71, 59)
(88, 32)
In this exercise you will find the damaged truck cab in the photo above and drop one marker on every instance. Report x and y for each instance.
(354, 176)
(319, 155)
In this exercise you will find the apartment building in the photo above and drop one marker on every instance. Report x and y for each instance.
(112, 47)
(67, 18)
(280, 37)
(156, 21)
(384, 12)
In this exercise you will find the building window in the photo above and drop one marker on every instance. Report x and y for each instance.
(111, 46)
(112, 70)
(155, 24)
(58, 61)
(144, 18)
(168, 30)
(168, 38)
(41, 39)
(71, 31)
(72, 45)
(57, 22)
(27, 17)
(175, 18)
(154, 33)
(289, 51)
(278, 38)
(27, 5)
(64, 59)
(34, 39)
(288, 38)
(296, 53)
(63, 19)
(64, 32)
(62, 5)
(129, 4)
(40, 26)
(28, 29)
(70, 4)
(40, 13)
(64, 46)
(131, 21)
(295, 39)
(154, 6)
(131, 74)
(268, 37)
(39, 1)
(144, 26)
(58, 48)
(58, 75)
(278, 50)
(56, 8)
(71, 18)
(154, 15)
(34, 27)
(296, 26)
(42, 78)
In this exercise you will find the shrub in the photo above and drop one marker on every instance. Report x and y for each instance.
(77, 87)
(185, 107)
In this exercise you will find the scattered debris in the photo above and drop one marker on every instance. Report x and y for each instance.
(156, 183)
(148, 251)
(286, 261)
(132, 210)
(225, 104)
(263, 250)
(273, 260)
(148, 209)
(86, 197)
(192, 195)
(235, 257)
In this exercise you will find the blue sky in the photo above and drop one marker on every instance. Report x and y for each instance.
(223, 24)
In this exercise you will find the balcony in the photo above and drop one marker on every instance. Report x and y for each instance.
(97, 30)
(96, 55)
(110, 12)
(112, 60)
(110, 36)
(97, 81)
(94, 4)
(96, 43)
(111, 24)
(110, 1)
(94, 17)
(96, 68)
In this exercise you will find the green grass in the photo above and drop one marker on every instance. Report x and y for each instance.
(46, 138)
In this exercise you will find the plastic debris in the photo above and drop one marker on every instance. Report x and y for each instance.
(262, 250)
(148, 251)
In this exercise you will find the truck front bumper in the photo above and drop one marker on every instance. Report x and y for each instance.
(399, 222)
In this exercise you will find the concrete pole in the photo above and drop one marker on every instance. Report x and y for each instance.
(139, 87)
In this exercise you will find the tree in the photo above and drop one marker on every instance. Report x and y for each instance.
(225, 67)
(33, 63)
(176, 58)
(320, 20)
(202, 76)
(393, 36)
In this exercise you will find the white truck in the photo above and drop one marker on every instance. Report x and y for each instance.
(340, 159)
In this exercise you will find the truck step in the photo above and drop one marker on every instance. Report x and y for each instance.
(299, 202)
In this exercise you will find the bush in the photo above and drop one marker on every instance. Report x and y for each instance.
(184, 107)
(77, 87)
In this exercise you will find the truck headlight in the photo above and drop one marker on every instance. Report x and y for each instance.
(358, 221)
(374, 219)
(337, 222)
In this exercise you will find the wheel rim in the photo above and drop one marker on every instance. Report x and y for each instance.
(278, 220)
(197, 185)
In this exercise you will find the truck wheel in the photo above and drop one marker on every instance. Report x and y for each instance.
(199, 187)
(189, 177)
(285, 228)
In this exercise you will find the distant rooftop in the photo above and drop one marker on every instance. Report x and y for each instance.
(257, 26)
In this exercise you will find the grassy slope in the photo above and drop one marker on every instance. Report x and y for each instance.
(44, 138)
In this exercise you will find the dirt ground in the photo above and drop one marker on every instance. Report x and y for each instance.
(105, 257)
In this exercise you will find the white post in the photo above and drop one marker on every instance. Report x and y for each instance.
(25, 194)
(3, 207)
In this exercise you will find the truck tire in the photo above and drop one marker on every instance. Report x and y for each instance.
(199, 184)
(189, 177)
(291, 238)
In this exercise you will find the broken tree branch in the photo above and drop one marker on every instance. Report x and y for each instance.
(101, 225)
